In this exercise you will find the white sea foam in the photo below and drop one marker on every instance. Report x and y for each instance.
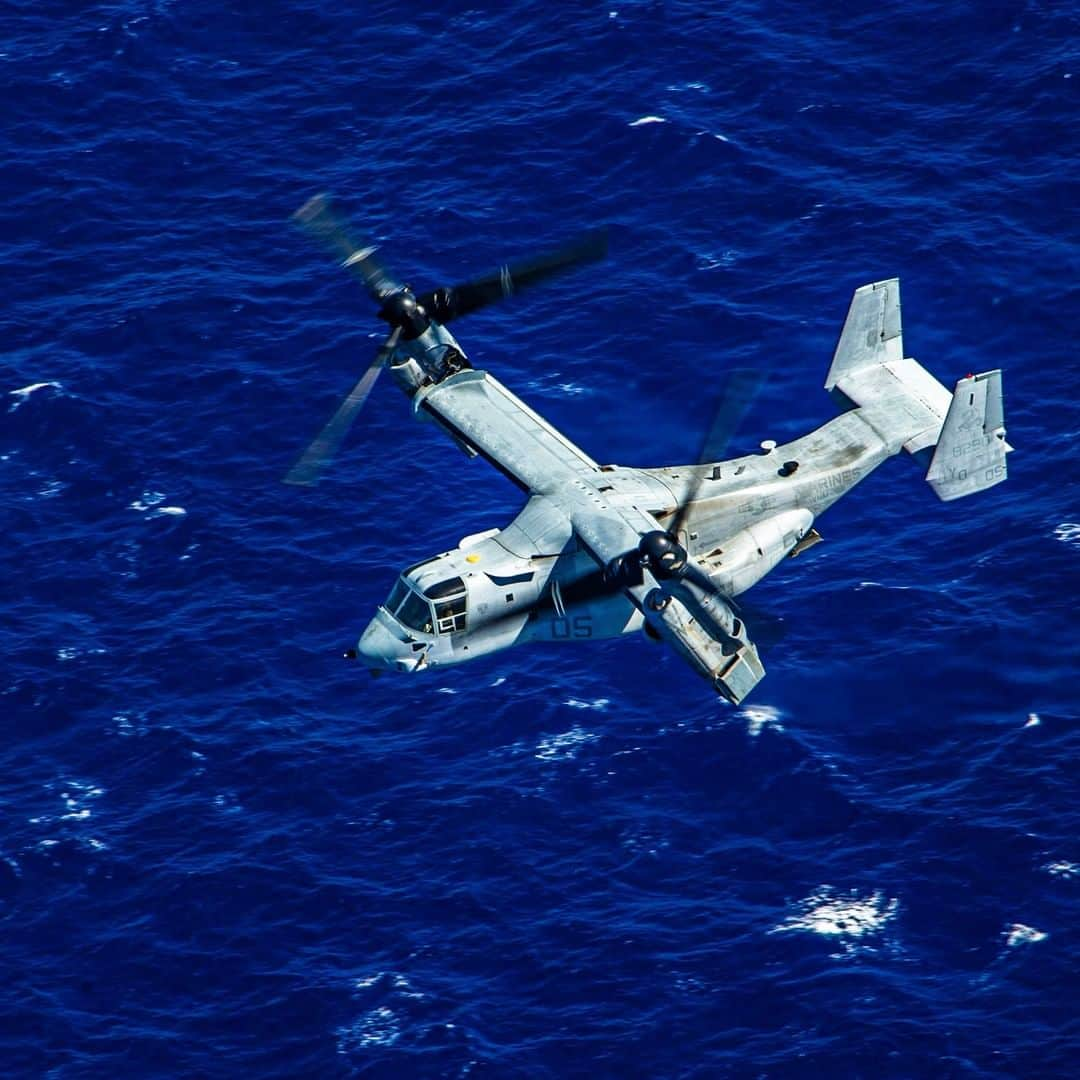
(1063, 869)
(548, 386)
(23, 393)
(405, 989)
(174, 511)
(76, 795)
(1068, 532)
(146, 501)
(90, 791)
(600, 704)
(378, 1027)
(228, 802)
(647, 120)
(565, 746)
(1019, 934)
(125, 726)
(386, 979)
(69, 652)
(708, 261)
(759, 717)
(847, 916)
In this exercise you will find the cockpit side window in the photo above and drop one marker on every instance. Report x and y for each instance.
(450, 614)
(450, 602)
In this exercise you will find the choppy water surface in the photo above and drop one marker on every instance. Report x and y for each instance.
(224, 853)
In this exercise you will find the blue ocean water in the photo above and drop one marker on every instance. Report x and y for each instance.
(224, 852)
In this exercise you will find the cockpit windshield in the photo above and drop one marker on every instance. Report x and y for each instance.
(409, 608)
(397, 594)
(447, 598)
(415, 613)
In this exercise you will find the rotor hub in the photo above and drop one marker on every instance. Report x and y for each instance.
(403, 310)
(662, 554)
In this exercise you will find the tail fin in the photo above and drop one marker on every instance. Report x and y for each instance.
(908, 407)
(871, 333)
(895, 394)
(971, 449)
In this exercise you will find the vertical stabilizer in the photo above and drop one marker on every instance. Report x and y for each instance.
(971, 449)
(871, 333)
(897, 396)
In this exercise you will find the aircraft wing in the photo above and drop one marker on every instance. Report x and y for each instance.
(487, 419)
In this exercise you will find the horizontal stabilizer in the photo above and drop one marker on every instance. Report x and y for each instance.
(970, 454)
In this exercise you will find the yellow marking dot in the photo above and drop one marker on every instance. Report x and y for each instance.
(474, 558)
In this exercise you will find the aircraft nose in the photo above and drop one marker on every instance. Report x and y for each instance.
(378, 647)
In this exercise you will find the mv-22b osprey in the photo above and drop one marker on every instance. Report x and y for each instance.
(603, 550)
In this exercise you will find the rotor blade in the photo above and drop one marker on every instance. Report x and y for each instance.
(769, 629)
(451, 303)
(318, 218)
(735, 399)
(323, 447)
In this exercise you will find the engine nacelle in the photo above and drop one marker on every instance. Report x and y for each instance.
(709, 635)
(749, 555)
